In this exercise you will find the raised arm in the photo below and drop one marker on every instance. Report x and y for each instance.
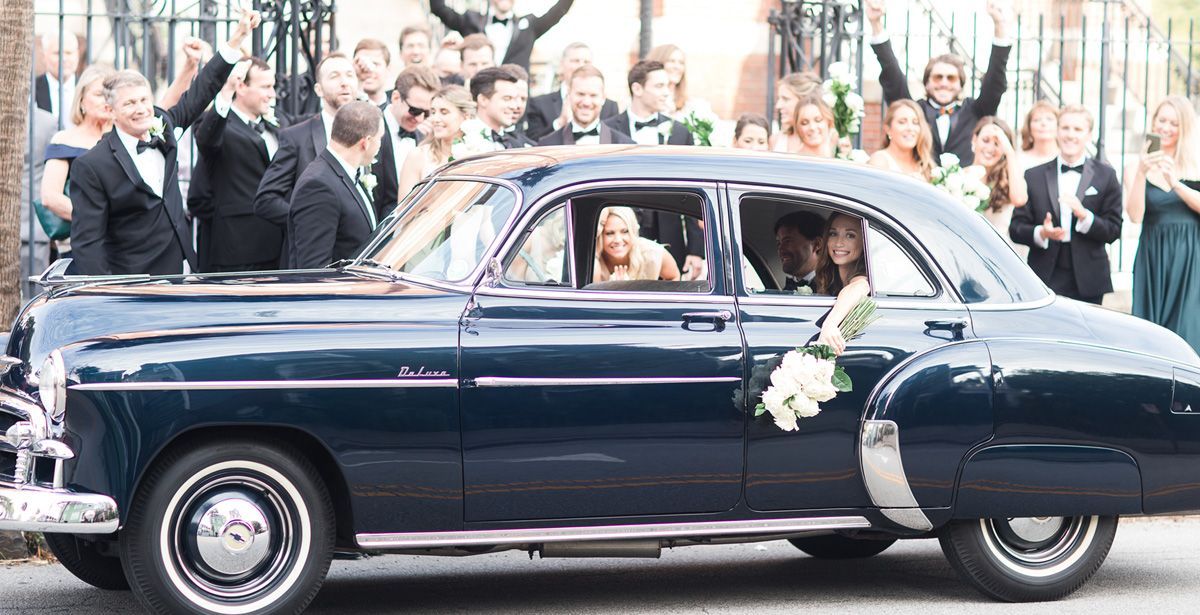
(995, 80)
(1135, 188)
(550, 18)
(197, 97)
(451, 18)
(891, 77)
(195, 51)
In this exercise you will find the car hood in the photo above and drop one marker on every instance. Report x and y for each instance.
(174, 306)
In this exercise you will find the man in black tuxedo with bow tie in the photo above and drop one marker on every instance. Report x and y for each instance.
(586, 95)
(497, 99)
(649, 96)
(331, 215)
(405, 117)
(1074, 211)
(798, 239)
(512, 36)
(951, 117)
(549, 112)
(299, 145)
(237, 138)
(127, 209)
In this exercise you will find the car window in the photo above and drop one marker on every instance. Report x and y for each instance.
(640, 248)
(541, 256)
(445, 233)
(893, 272)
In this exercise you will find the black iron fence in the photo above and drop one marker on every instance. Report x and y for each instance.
(147, 35)
(1107, 55)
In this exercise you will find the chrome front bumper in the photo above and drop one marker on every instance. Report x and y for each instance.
(37, 509)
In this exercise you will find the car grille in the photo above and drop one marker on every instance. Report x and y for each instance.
(8, 457)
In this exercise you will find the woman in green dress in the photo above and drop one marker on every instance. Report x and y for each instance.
(1163, 193)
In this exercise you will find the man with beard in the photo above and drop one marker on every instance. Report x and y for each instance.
(798, 240)
(337, 85)
(406, 119)
(951, 117)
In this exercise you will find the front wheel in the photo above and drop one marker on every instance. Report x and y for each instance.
(229, 527)
(88, 561)
(1028, 559)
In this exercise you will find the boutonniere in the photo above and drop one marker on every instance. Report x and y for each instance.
(804, 290)
(269, 117)
(368, 181)
(523, 24)
(664, 129)
(157, 128)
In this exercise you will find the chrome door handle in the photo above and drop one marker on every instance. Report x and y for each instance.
(717, 319)
(955, 326)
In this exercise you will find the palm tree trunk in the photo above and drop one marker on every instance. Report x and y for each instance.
(16, 40)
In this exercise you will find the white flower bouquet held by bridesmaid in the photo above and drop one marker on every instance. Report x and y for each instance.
(968, 189)
(810, 375)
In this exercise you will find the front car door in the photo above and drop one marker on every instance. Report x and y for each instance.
(600, 400)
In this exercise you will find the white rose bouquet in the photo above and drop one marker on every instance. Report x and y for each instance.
(848, 107)
(476, 139)
(810, 375)
(955, 181)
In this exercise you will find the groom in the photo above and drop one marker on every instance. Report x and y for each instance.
(127, 210)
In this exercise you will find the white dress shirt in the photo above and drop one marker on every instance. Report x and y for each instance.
(327, 123)
(151, 164)
(590, 139)
(223, 105)
(353, 172)
(63, 111)
(1068, 184)
(500, 34)
(400, 147)
(647, 135)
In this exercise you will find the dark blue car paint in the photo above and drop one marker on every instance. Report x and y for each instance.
(1063, 375)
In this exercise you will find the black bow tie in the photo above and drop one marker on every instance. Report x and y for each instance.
(154, 143)
(595, 132)
(1064, 168)
(260, 126)
(650, 123)
(500, 20)
(406, 134)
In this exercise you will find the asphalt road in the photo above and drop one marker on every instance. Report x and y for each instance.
(1150, 570)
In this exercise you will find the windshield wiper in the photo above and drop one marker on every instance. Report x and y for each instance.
(376, 265)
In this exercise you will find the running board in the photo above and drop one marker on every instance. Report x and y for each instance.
(420, 540)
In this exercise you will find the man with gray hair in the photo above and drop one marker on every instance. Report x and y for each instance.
(332, 214)
(127, 209)
(549, 112)
(55, 89)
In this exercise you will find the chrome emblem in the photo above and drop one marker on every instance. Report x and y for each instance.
(408, 372)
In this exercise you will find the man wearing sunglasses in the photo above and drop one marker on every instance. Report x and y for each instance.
(405, 118)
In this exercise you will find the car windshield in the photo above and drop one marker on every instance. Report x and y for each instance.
(445, 233)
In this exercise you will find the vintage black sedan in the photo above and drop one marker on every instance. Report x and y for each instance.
(469, 384)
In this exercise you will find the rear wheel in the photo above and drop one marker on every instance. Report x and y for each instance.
(835, 546)
(87, 560)
(1028, 559)
(230, 527)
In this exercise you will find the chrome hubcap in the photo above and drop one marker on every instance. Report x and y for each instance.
(1037, 542)
(233, 536)
(1035, 529)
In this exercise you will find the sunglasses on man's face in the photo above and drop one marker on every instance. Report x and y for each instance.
(416, 112)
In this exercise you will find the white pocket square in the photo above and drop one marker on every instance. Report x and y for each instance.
(1091, 191)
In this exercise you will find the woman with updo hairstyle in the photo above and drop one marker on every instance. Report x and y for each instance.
(789, 90)
(621, 254)
(841, 272)
(451, 106)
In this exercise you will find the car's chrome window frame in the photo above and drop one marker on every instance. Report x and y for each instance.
(947, 294)
(922, 270)
(527, 231)
(471, 279)
(547, 202)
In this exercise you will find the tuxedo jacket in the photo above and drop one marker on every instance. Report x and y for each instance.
(233, 159)
(544, 109)
(564, 136)
(970, 110)
(387, 180)
(299, 145)
(118, 225)
(41, 92)
(680, 135)
(1100, 193)
(328, 218)
(528, 28)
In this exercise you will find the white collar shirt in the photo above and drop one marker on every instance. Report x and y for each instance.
(151, 165)
(648, 135)
(268, 138)
(327, 123)
(500, 34)
(400, 147)
(590, 139)
(68, 94)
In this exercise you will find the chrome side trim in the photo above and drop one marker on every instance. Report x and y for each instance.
(494, 381)
(1012, 307)
(33, 509)
(606, 532)
(884, 477)
(601, 295)
(245, 385)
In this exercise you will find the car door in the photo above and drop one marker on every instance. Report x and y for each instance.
(818, 465)
(580, 402)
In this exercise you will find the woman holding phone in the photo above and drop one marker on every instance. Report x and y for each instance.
(1163, 194)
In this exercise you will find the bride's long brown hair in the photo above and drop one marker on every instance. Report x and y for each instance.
(827, 281)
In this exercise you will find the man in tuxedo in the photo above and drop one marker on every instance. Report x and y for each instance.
(62, 62)
(798, 239)
(649, 96)
(405, 118)
(1074, 211)
(521, 103)
(371, 59)
(237, 138)
(586, 97)
(331, 215)
(951, 117)
(512, 36)
(549, 112)
(415, 45)
(127, 209)
(477, 54)
(337, 85)
(497, 98)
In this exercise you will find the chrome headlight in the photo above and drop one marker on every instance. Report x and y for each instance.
(52, 386)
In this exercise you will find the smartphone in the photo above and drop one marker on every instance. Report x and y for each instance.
(1155, 142)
